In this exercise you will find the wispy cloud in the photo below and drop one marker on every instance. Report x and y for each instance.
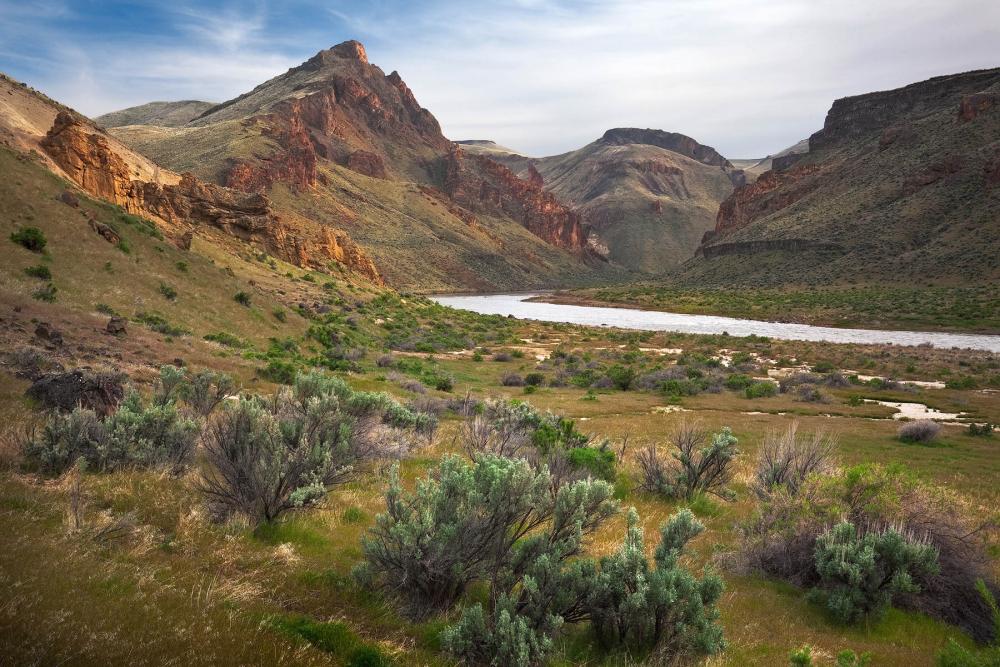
(543, 76)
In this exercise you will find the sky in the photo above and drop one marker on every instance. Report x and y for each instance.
(540, 76)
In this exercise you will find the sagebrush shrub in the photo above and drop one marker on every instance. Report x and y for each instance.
(663, 609)
(862, 571)
(922, 431)
(470, 521)
(268, 455)
(780, 539)
(786, 460)
(699, 463)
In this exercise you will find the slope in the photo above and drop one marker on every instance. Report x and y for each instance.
(647, 196)
(898, 186)
(338, 142)
(166, 114)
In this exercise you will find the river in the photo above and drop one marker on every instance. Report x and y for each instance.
(651, 320)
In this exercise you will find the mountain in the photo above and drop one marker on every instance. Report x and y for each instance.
(900, 185)
(754, 167)
(646, 196)
(166, 114)
(336, 143)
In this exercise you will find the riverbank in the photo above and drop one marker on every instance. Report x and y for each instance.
(526, 306)
(973, 310)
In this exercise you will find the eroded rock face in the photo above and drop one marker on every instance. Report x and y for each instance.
(482, 185)
(973, 105)
(367, 163)
(87, 157)
(773, 191)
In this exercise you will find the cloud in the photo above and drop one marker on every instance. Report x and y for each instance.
(542, 76)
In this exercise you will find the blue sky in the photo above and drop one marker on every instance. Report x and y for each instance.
(541, 76)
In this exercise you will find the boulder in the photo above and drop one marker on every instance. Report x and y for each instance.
(95, 390)
(116, 326)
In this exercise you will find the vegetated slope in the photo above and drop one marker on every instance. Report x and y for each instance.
(166, 114)
(646, 196)
(901, 186)
(338, 142)
(181, 206)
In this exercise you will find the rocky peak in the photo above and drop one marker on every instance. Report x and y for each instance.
(671, 141)
(349, 50)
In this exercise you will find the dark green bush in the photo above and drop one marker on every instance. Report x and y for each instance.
(663, 609)
(699, 463)
(242, 298)
(534, 379)
(31, 238)
(599, 462)
(862, 571)
(39, 271)
(168, 292)
(762, 389)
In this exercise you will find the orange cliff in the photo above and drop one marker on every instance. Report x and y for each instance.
(180, 203)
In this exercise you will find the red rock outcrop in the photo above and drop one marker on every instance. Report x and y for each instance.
(367, 163)
(482, 185)
(88, 157)
(773, 191)
(534, 177)
(976, 104)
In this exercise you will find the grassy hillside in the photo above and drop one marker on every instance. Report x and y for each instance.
(164, 114)
(898, 188)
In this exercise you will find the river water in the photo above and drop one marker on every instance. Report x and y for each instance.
(651, 320)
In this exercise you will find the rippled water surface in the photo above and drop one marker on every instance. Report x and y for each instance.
(629, 318)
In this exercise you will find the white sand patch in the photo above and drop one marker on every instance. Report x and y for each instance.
(917, 411)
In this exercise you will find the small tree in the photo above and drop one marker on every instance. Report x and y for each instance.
(664, 609)
(862, 572)
(696, 467)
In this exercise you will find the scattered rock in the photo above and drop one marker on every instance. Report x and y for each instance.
(105, 231)
(69, 199)
(47, 332)
(184, 240)
(116, 326)
(97, 391)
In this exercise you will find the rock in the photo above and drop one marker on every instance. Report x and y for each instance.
(116, 326)
(97, 391)
(69, 199)
(367, 163)
(180, 363)
(481, 184)
(657, 206)
(89, 158)
(534, 177)
(183, 242)
(973, 105)
(773, 191)
(105, 231)
(47, 332)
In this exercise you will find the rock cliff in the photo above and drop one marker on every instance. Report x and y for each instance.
(88, 157)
